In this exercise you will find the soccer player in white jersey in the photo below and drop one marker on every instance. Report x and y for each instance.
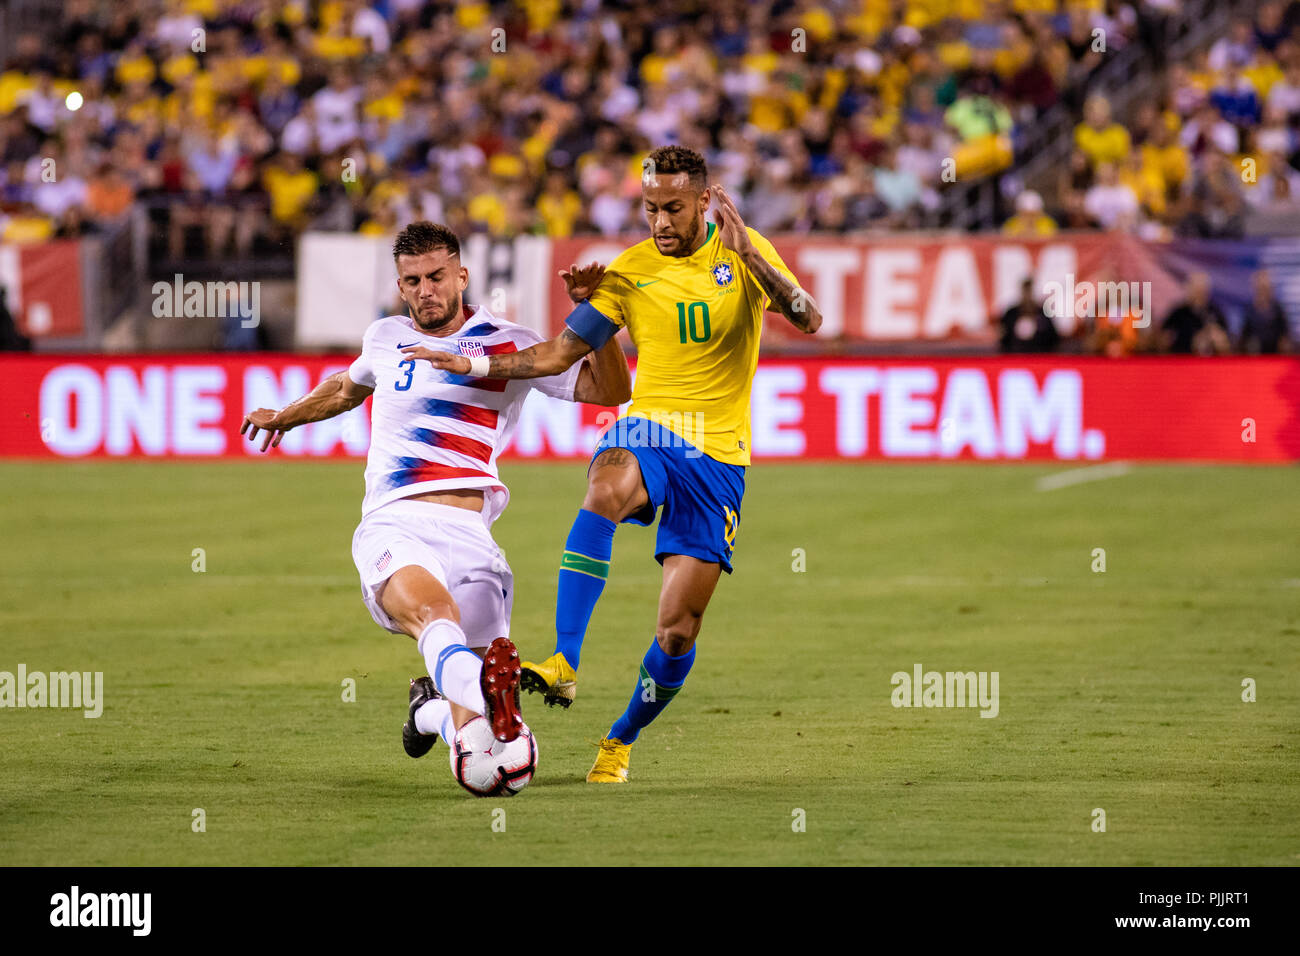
(429, 567)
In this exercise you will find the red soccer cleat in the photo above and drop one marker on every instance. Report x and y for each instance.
(500, 685)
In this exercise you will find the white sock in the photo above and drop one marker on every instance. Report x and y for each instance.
(434, 717)
(455, 669)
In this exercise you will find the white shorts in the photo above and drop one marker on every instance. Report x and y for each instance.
(450, 543)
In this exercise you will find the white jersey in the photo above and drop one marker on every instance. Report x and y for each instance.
(434, 431)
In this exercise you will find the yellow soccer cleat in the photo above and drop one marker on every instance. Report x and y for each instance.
(611, 762)
(553, 678)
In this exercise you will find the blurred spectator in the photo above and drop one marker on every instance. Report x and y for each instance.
(10, 338)
(772, 206)
(1034, 84)
(56, 184)
(1026, 326)
(109, 195)
(1098, 138)
(1196, 325)
(1278, 211)
(291, 188)
(1264, 327)
(1164, 155)
(1207, 131)
(899, 188)
(977, 116)
(1146, 183)
(1113, 331)
(336, 110)
(241, 328)
(1029, 222)
(559, 207)
(1110, 203)
(25, 225)
(610, 213)
(1235, 98)
(1217, 203)
(1284, 95)
(1236, 49)
(1275, 135)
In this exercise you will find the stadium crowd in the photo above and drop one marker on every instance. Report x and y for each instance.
(243, 122)
(1216, 155)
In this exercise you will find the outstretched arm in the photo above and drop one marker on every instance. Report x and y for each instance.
(537, 361)
(334, 396)
(604, 379)
(553, 356)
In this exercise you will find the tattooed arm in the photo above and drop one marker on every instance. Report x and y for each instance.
(787, 298)
(537, 361)
(604, 378)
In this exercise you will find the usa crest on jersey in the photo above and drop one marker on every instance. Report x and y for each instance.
(471, 349)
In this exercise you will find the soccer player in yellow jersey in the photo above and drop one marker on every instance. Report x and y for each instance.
(692, 298)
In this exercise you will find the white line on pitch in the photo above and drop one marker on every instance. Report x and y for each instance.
(1077, 476)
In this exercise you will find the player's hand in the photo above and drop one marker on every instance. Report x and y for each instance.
(447, 361)
(264, 419)
(580, 283)
(731, 228)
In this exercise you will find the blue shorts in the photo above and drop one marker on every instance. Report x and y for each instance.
(700, 496)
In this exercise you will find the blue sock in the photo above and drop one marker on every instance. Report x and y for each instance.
(661, 678)
(583, 570)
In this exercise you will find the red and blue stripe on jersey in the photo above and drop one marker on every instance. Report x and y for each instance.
(410, 471)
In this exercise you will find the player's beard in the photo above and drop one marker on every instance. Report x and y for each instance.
(685, 242)
(451, 311)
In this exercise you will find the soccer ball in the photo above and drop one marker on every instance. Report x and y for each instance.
(486, 767)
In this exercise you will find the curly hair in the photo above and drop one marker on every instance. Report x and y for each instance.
(421, 237)
(677, 159)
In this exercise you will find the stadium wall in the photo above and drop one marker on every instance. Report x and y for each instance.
(885, 292)
(45, 288)
(889, 289)
(980, 409)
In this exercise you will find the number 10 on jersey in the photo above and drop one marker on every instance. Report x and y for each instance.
(694, 315)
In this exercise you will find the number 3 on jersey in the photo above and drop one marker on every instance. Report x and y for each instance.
(405, 385)
(698, 313)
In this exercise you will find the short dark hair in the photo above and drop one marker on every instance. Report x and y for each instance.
(667, 160)
(424, 236)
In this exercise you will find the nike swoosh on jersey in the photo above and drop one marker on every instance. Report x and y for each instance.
(406, 345)
(641, 285)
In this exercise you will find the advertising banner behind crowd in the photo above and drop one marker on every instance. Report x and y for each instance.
(980, 409)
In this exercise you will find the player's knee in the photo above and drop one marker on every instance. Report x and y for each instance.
(431, 611)
(607, 497)
(677, 637)
(418, 615)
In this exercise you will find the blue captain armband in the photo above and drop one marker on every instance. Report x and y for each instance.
(590, 325)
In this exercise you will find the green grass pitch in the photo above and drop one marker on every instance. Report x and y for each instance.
(1119, 690)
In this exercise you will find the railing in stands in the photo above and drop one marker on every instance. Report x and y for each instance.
(1123, 85)
(113, 279)
(263, 262)
(17, 17)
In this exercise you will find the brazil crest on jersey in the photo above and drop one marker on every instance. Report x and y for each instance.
(696, 323)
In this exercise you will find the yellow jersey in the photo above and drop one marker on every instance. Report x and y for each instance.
(696, 323)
